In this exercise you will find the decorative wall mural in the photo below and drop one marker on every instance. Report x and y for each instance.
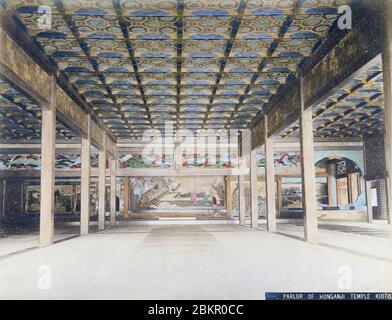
(72, 161)
(33, 161)
(64, 199)
(281, 159)
(138, 160)
(205, 161)
(291, 197)
(19, 161)
(176, 193)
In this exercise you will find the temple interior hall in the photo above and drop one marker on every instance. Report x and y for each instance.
(204, 140)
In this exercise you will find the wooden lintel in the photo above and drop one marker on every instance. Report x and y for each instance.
(352, 52)
(285, 111)
(97, 136)
(17, 68)
(110, 147)
(258, 135)
(70, 113)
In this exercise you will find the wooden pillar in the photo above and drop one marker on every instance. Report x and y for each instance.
(308, 171)
(329, 183)
(1, 199)
(228, 197)
(245, 150)
(269, 178)
(253, 189)
(101, 189)
(85, 183)
(279, 195)
(113, 192)
(369, 200)
(48, 154)
(241, 198)
(126, 197)
(387, 69)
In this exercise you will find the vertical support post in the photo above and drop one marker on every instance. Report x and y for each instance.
(279, 195)
(85, 182)
(1, 199)
(253, 190)
(330, 194)
(308, 171)
(387, 69)
(4, 183)
(101, 188)
(269, 178)
(245, 150)
(228, 197)
(48, 136)
(126, 197)
(113, 192)
(369, 201)
(241, 198)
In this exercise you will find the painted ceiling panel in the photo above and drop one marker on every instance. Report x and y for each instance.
(198, 58)
(96, 27)
(208, 7)
(242, 65)
(270, 7)
(321, 6)
(316, 25)
(196, 90)
(58, 28)
(88, 7)
(201, 64)
(207, 27)
(152, 27)
(204, 48)
(157, 65)
(261, 27)
(106, 47)
(149, 8)
(154, 48)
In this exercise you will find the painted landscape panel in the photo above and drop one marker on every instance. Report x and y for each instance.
(177, 193)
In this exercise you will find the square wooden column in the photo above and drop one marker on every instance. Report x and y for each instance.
(241, 198)
(112, 192)
(244, 170)
(308, 172)
(101, 189)
(253, 190)
(48, 154)
(269, 178)
(387, 69)
(126, 197)
(228, 197)
(369, 201)
(85, 182)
